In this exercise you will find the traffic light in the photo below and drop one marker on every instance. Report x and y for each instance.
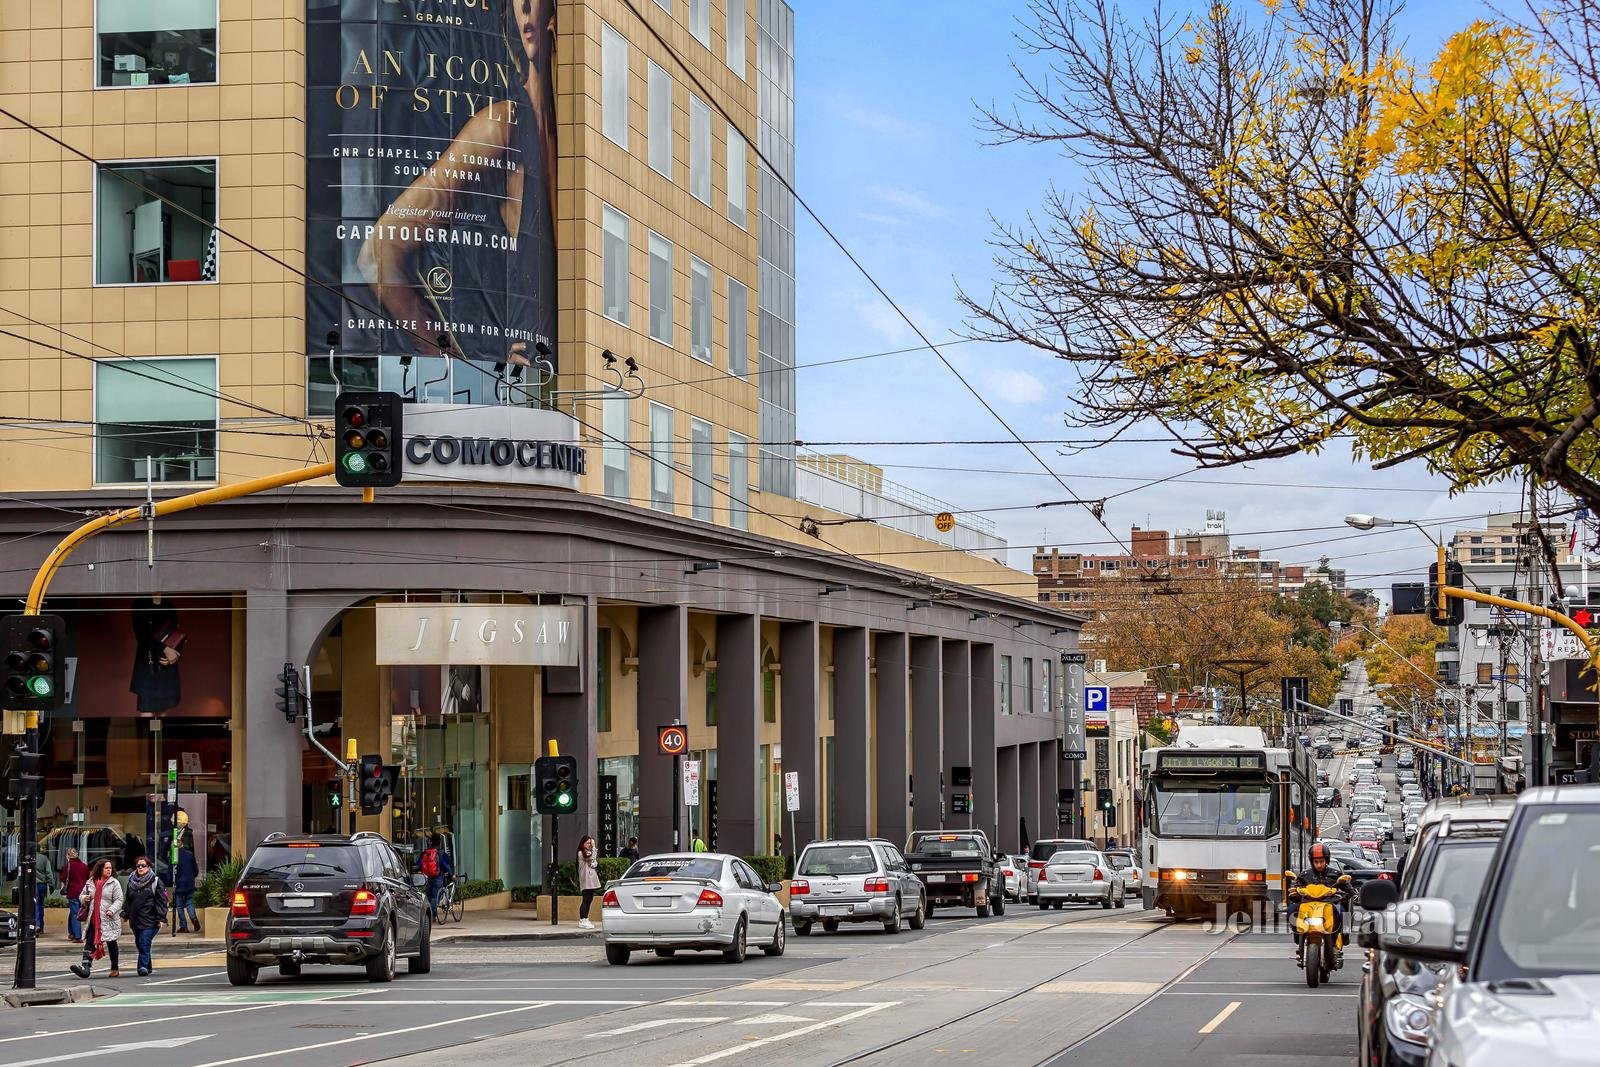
(368, 451)
(1065, 799)
(35, 668)
(335, 793)
(1103, 801)
(289, 692)
(24, 778)
(556, 785)
(374, 785)
(1455, 609)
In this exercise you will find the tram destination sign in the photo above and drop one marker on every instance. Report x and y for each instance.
(1211, 761)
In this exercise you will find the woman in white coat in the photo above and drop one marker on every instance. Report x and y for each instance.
(102, 899)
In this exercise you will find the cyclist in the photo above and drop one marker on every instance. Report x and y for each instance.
(436, 867)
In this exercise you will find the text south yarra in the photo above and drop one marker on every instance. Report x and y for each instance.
(495, 452)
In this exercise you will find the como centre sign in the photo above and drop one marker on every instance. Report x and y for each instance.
(499, 444)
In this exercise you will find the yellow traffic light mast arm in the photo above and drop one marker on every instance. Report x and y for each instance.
(69, 543)
(1516, 605)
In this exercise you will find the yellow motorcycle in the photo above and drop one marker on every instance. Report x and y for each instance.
(1319, 944)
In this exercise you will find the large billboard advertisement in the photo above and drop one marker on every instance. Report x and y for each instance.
(431, 178)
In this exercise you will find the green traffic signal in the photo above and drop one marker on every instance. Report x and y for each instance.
(40, 686)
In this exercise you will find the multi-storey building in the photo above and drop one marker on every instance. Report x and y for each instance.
(543, 223)
(1078, 577)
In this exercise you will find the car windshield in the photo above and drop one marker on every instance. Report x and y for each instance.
(953, 846)
(311, 861)
(676, 867)
(1213, 809)
(1120, 863)
(1457, 875)
(834, 860)
(1067, 858)
(1547, 921)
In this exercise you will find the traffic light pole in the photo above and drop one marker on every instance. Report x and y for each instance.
(28, 875)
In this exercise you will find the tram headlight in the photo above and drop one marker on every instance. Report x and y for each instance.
(1178, 876)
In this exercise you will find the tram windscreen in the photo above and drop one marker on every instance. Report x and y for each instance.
(1213, 809)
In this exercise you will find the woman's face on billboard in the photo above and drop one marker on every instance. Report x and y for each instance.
(535, 20)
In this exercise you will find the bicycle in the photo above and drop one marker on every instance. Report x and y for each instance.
(450, 907)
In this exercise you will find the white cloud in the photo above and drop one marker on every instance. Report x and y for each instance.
(880, 218)
(907, 200)
(877, 121)
(1016, 387)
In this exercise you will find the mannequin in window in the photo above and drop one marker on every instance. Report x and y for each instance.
(158, 646)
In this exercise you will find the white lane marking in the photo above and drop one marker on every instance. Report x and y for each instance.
(530, 1003)
(188, 978)
(112, 1050)
(652, 1024)
(1203, 993)
(137, 1022)
(1221, 1016)
(741, 1004)
(743, 1046)
(387, 1033)
(774, 1019)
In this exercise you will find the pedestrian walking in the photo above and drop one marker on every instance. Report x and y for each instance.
(73, 875)
(435, 866)
(44, 880)
(146, 909)
(588, 879)
(183, 880)
(699, 844)
(631, 853)
(102, 900)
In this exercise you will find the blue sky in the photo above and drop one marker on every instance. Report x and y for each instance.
(891, 156)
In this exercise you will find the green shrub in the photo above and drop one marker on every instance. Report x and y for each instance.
(524, 894)
(472, 888)
(55, 900)
(770, 868)
(215, 890)
(609, 868)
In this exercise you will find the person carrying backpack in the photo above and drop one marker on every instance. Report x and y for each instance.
(435, 866)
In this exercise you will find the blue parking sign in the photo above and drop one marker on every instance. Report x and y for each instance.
(1097, 698)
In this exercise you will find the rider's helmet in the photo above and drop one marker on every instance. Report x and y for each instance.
(1319, 855)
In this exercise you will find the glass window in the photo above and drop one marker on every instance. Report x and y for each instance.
(661, 469)
(700, 21)
(1005, 685)
(738, 328)
(155, 419)
(1027, 683)
(836, 861)
(1542, 914)
(711, 698)
(679, 867)
(1485, 673)
(700, 309)
(1213, 809)
(660, 288)
(614, 424)
(1049, 687)
(739, 481)
(700, 489)
(660, 120)
(736, 22)
(614, 85)
(155, 222)
(602, 680)
(737, 176)
(769, 692)
(614, 263)
(1458, 874)
(170, 42)
(699, 150)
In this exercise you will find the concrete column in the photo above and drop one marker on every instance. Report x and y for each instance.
(1028, 791)
(272, 767)
(1006, 773)
(738, 723)
(852, 680)
(957, 684)
(1049, 769)
(570, 704)
(663, 698)
(927, 732)
(986, 815)
(799, 653)
(893, 736)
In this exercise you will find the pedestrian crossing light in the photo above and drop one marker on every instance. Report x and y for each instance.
(367, 449)
(556, 779)
(34, 667)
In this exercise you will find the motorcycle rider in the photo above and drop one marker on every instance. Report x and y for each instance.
(1321, 872)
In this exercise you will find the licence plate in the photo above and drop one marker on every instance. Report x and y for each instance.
(299, 902)
(836, 909)
(937, 877)
(657, 902)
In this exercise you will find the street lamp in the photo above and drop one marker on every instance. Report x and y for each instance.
(1369, 522)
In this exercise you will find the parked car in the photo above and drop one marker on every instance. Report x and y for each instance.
(691, 901)
(326, 898)
(864, 881)
(1083, 877)
(1127, 865)
(1041, 852)
(1522, 985)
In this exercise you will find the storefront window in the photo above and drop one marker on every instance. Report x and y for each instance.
(441, 751)
(711, 698)
(156, 42)
(626, 771)
(602, 680)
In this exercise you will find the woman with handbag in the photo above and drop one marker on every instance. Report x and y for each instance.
(158, 646)
(102, 900)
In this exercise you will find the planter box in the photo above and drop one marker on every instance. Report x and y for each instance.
(55, 920)
(492, 902)
(569, 909)
(214, 923)
(524, 905)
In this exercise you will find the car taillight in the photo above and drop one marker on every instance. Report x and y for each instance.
(799, 887)
(240, 906)
(876, 885)
(1043, 876)
(1386, 876)
(364, 903)
(1099, 875)
(709, 898)
(969, 878)
(1036, 865)
(610, 899)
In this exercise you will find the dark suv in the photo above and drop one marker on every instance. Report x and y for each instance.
(326, 898)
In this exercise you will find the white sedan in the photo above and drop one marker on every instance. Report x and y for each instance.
(1082, 877)
(693, 901)
(1132, 875)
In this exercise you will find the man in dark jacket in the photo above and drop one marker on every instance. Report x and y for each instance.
(146, 909)
(183, 885)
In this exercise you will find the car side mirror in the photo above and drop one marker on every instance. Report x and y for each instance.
(1378, 894)
(774, 887)
(1423, 928)
(419, 881)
